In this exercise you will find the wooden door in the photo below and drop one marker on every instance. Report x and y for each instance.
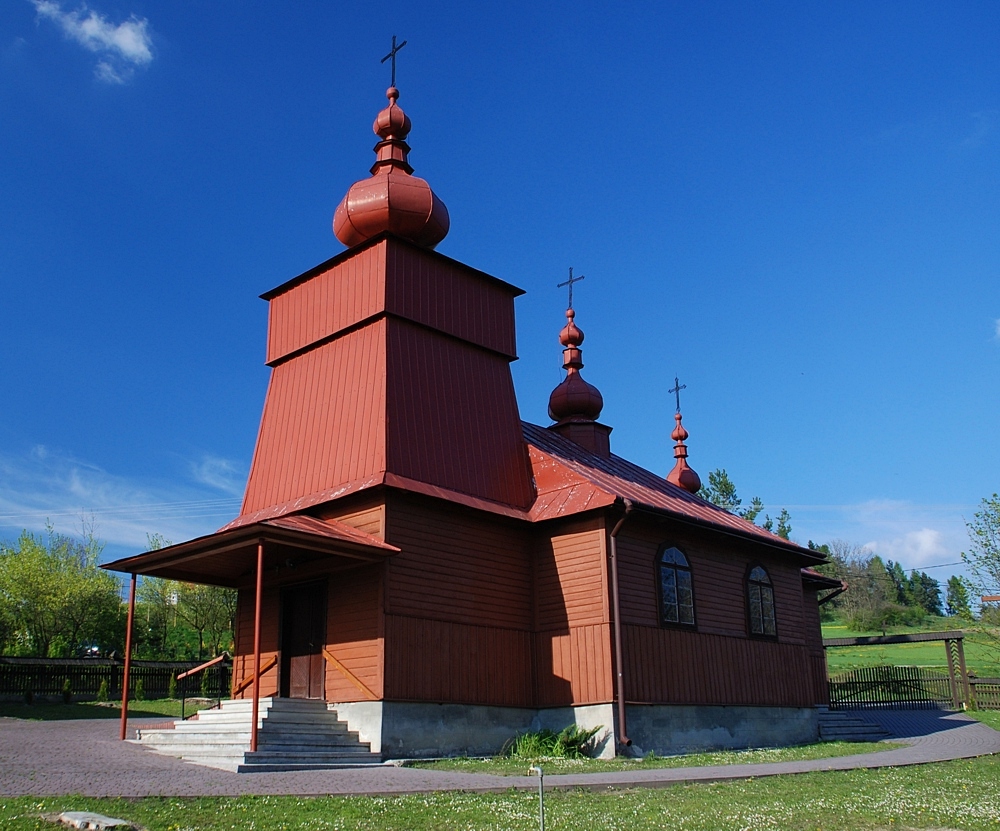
(303, 629)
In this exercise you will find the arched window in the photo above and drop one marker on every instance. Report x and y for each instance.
(760, 603)
(676, 592)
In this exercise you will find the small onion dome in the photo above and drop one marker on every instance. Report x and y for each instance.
(392, 199)
(682, 475)
(574, 399)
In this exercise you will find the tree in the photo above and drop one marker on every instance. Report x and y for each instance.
(721, 491)
(210, 611)
(983, 557)
(957, 601)
(57, 598)
(784, 528)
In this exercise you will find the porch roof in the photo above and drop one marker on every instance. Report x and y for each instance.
(229, 557)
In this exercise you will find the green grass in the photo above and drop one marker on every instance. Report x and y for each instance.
(962, 795)
(169, 707)
(980, 656)
(506, 766)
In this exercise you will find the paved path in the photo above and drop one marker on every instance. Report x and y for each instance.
(85, 757)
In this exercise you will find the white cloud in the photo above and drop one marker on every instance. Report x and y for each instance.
(48, 486)
(221, 474)
(917, 549)
(122, 47)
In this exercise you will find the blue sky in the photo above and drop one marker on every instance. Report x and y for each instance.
(793, 207)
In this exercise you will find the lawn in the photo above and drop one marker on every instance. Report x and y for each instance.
(506, 766)
(981, 657)
(164, 707)
(961, 795)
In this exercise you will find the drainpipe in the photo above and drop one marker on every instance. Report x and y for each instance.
(619, 662)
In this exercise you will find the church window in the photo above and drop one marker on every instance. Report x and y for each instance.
(760, 603)
(676, 591)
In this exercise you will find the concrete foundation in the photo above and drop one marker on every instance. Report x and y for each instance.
(667, 729)
(413, 730)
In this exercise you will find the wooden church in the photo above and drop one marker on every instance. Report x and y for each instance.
(444, 574)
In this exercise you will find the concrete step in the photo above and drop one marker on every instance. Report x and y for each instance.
(287, 767)
(842, 726)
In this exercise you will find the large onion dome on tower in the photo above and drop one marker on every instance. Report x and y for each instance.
(392, 199)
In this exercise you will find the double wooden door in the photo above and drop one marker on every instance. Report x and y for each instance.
(303, 633)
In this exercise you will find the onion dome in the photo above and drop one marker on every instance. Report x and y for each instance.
(574, 399)
(682, 475)
(392, 199)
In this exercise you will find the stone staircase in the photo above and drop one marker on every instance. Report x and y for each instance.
(292, 734)
(848, 726)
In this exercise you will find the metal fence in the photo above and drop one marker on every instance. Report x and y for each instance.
(890, 687)
(47, 678)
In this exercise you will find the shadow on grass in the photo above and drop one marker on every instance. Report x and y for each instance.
(166, 708)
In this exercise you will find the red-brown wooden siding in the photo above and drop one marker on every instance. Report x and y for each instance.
(353, 634)
(458, 606)
(324, 420)
(453, 417)
(243, 637)
(814, 641)
(719, 663)
(573, 638)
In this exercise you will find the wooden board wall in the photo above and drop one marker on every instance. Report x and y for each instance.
(243, 637)
(719, 663)
(458, 606)
(572, 633)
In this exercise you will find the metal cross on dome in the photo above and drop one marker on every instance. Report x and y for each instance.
(392, 55)
(678, 386)
(569, 283)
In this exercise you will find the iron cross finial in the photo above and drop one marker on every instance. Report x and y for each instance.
(678, 386)
(392, 55)
(569, 283)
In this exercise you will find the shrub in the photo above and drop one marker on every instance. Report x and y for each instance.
(140, 693)
(67, 691)
(172, 687)
(102, 690)
(569, 743)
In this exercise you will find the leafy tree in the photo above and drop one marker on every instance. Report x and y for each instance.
(983, 557)
(210, 611)
(957, 601)
(923, 591)
(784, 528)
(57, 598)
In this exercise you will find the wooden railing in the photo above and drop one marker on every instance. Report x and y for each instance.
(246, 682)
(224, 657)
(900, 688)
(985, 692)
(350, 676)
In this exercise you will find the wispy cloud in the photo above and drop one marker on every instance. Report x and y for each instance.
(221, 474)
(49, 486)
(121, 47)
(913, 534)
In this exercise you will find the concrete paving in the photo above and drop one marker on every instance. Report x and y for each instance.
(85, 757)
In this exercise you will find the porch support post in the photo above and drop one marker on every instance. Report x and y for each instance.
(128, 654)
(256, 645)
(966, 692)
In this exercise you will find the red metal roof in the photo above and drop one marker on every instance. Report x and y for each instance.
(570, 479)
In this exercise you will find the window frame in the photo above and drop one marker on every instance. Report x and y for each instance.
(748, 582)
(658, 566)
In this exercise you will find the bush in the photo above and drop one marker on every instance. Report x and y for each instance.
(102, 690)
(569, 743)
(140, 693)
(67, 691)
(172, 687)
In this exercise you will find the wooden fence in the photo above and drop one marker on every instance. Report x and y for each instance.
(890, 687)
(47, 678)
(985, 692)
